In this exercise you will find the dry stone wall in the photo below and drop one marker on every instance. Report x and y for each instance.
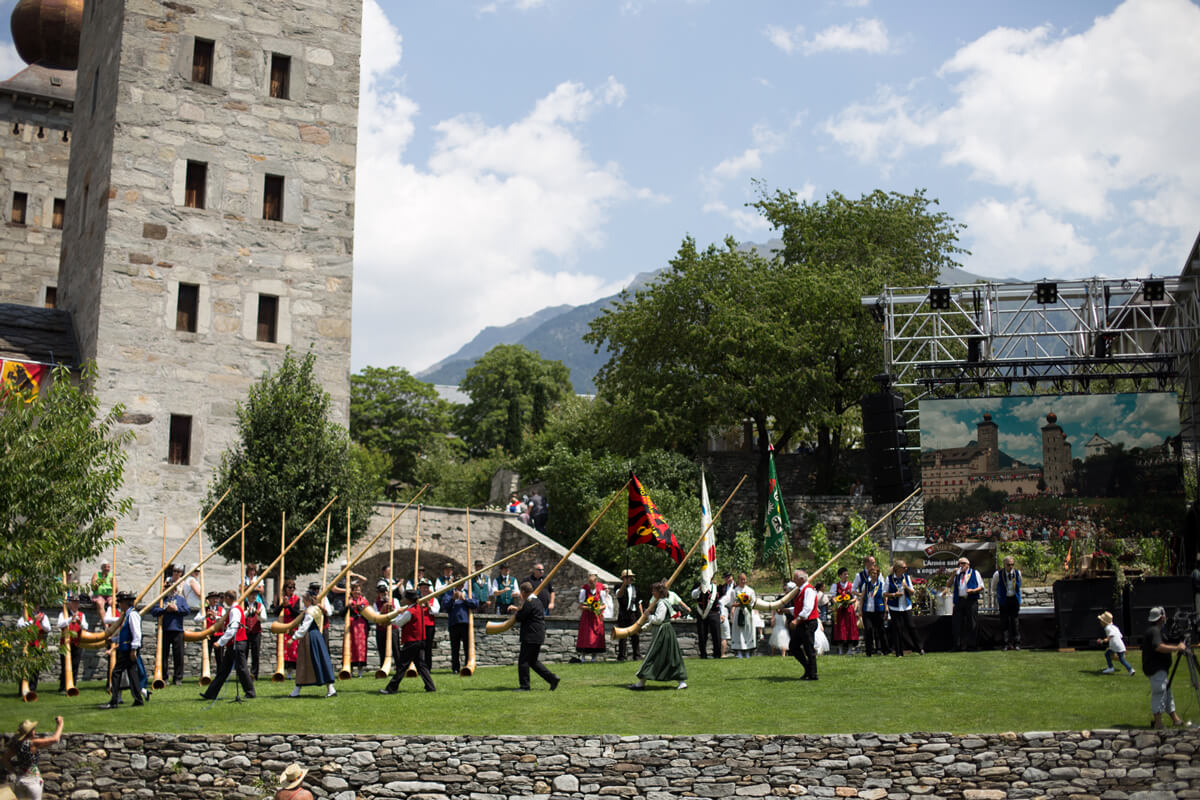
(1088, 765)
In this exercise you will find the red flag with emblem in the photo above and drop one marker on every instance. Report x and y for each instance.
(646, 524)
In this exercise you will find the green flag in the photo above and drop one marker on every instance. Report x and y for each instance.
(778, 526)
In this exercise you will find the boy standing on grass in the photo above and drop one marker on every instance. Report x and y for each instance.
(1116, 644)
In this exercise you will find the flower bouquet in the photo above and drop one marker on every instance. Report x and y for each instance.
(743, 599)
(593, 603)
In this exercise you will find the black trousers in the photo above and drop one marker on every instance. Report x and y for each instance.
(966, 623)
(429, 632)
(381, 643)
(458, 641)
(127, 668)
(624, 620)
(1010, 609)
(708, 631)
(173, 644)
(528, 660)
(902, 625)
(253, 646)
(76, 657)
(802, 646)
(411, 653)
(873, 632)
(234, 656)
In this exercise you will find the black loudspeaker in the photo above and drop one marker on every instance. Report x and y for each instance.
(1077, 603)
(1173, 593)
(886, 442)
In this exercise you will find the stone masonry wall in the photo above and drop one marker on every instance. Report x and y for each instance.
(1109, 764)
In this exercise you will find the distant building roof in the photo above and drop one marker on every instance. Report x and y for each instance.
(38, 82)
(44, 335)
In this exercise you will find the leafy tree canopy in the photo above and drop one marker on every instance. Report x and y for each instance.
(291, 458)
(394, 413)
(60, 476)
(503, 385)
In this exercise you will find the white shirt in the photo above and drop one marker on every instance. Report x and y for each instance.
(64, 621)
(44, 624)
(904, 601)
(232, 623)
(661, 612)
(808, 597)
(389, 605)
(305, 623)
(1116, 641)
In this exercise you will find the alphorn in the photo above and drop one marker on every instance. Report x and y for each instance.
(112, 651)
(68, 671)
(385, 668)
(158, 682)
(469, 668)
(285, 627)
(205, 657)
(621, 633)
(411, 671)
(111, 631)
(501, 627)
(449, 587)
(204, 634)
(345, 674)
(27, 694)
(173, 586)
(775, 605)
(280, 674)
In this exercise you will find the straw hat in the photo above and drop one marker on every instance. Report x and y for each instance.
(292, 777)
(626, 573)
(25, 730)
(1105, 618)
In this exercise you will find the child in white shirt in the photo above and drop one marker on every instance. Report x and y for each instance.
(1116, 644)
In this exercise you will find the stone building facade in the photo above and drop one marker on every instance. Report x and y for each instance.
(209, 225)
(35, 132)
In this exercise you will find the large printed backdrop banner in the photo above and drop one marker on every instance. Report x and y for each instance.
(1054, 466)
(22, 378)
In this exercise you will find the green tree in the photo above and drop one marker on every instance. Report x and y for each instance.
(400, 416)
(291, 458)
(60, 477)
(503, 377)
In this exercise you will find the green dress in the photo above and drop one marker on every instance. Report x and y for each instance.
(664, 659)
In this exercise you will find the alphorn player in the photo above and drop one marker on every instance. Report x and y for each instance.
(171, 611)
(664, 659)
(532, 618)
(314, 667)
(129, 642)
(70, 623)
(384, 603)
(412, 645)
(41, 625)
(232, 645)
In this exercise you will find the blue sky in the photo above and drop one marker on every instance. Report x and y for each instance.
(516, 154)
(1135, 420)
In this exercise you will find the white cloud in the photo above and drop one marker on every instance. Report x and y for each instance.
(518, 5)
(1026, 447)
(867, 35)
(1021, 240)
(483, 232)
(10, 62)
(1074, 120)
(746, 220)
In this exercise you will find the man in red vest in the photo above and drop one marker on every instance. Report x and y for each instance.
(804, 626)
(235, 635)
(412, 645)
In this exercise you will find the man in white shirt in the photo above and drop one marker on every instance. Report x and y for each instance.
(235, 634)
(967, 586)
(1006, 588)
(129, 642)
(802, 644)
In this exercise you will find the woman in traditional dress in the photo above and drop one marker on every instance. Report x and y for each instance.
(593, 599)
(290, 607)
(664, 659)
(845, 620)
(740, 601)
(313, 665)
(358, 629)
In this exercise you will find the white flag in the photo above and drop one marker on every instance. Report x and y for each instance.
(708, 550)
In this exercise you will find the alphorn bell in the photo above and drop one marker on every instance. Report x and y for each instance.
(65, 647)
(468, 668)
(621, 633)
(775, 605)
(27, 695)
(501, 627)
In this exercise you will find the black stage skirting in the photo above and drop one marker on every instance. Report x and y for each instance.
(1038, 632)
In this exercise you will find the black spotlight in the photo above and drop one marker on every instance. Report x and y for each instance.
(1047, 294)
(1154, 291)
(939, 299)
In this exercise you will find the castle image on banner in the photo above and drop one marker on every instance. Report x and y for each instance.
(954, 471)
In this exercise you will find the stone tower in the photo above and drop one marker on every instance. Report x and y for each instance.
(988, 437)
(1056, 456)
(209, 225)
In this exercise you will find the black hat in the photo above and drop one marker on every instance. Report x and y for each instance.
(123, 597)
(314, 588)
(411, 595)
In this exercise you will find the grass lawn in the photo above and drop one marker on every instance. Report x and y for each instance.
(957, 692)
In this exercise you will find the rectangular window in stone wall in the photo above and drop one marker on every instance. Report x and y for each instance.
(268, 318)
(194, 184)
(202, 61)
(60, 209)
(187, 307)
(273, 197)
(51, 297)
(20, 201)
(281, 72)
(180, 449)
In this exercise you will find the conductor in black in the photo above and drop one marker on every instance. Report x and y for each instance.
(532, 618)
